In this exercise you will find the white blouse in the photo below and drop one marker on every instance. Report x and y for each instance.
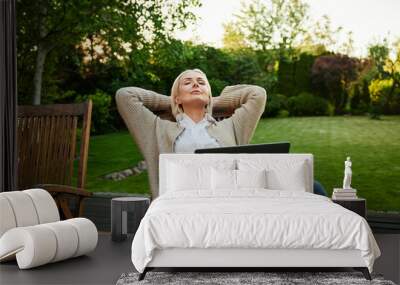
(194, 136)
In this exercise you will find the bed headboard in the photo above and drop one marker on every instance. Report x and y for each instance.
(211, 159)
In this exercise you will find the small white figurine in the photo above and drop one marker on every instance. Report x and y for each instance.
(347, 174)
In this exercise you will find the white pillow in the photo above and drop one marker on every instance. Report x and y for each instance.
(280, 174)
(292, 179)
(251, 178)
(183, 178)
(223, 179)
(184, 174)
(226, 179)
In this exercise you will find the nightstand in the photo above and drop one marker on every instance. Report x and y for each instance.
(357, 205)
(120, 207)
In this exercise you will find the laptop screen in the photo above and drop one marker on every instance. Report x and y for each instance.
(278, 147)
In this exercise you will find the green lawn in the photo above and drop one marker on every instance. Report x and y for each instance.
(374, 146)
(114, 152)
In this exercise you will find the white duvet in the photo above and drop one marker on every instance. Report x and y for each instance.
(253, 218)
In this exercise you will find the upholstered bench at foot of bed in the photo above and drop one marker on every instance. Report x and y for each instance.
(44, 243)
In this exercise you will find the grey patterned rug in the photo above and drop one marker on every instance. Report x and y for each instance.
(228, 278)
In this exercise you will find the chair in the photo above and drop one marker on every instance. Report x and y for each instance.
(31, 231)
(47, 140)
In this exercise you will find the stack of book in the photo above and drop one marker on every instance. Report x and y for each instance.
(343, 194)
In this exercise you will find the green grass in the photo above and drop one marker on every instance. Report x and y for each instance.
(114, 152)
(374, 146)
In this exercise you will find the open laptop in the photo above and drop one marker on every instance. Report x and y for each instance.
(278, 147)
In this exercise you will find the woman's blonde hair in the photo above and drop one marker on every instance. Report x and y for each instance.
(176, 108)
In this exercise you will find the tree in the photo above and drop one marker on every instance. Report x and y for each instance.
(331, 76)
(277, 24)
(380, 89)
(378, 53)
(392, 70)
(233, 39)
(118, 26)
(321, 33)
(360, 99)
(385, 86)
(321, 37)
(347, 46)
(294, 76)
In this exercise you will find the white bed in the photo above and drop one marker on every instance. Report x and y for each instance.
(203, 219)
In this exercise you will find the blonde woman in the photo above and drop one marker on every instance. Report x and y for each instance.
(191, 103)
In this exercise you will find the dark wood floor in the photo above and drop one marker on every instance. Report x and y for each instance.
(103, 266)
(111, 259)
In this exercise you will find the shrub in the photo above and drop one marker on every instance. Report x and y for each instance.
(375, 111)
(217, 86)
(306, 104)
(359, 98)
(283, 114)
(294, 76)
(101, 118)
(331, 109)
(384, 98)
(379, 89)
(331, 76)
(275, 104)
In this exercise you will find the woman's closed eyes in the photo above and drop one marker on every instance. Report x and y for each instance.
(189, 81)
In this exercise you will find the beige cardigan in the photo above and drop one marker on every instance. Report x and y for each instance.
(154, 135)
